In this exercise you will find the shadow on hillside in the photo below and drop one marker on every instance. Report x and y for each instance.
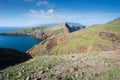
(10, 57)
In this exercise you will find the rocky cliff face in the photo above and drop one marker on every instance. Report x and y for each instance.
(58, 37)
(74, 27)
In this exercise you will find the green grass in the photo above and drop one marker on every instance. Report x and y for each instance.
(113, 73)
(81, 78)
(103, 74)
(84, 38)
(66, 78)
(87, 37)
(53, 66)
(31, 67)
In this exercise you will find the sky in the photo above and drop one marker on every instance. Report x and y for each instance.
(35, 12)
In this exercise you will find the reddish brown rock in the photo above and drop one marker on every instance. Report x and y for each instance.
(56, 41)
(73, 70)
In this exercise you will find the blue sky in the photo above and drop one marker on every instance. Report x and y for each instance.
(33, 12)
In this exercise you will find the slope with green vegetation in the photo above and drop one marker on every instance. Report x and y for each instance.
(95, 66)
(97, 38)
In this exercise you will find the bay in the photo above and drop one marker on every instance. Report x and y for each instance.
(21, 43)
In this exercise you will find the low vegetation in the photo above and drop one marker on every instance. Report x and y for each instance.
(95, 66)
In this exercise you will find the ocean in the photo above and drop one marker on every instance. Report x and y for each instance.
(21, 43)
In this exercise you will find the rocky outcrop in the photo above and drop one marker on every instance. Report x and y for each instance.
(42, 35)
(111, 36)
(10, 57)
(71, 27)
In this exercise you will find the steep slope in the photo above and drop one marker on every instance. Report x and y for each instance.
(97, 38)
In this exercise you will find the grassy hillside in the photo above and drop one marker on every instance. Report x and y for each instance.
(113, 25)
(97, 38)
(95, 66)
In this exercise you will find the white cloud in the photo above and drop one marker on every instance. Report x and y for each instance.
(42, 3)
(41, 13)
(50, 11)
(50, 16)
(38, 3)
(35, 17)
(45, 3)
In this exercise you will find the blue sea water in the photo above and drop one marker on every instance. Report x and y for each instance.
(21, 43)
(6, 29)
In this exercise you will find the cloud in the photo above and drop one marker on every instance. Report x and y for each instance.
(45, 3)
(52, 16)
(21, 0)
(38, 3)
(35, 17)
(41, 13)
(42, 3)
(50, 11)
